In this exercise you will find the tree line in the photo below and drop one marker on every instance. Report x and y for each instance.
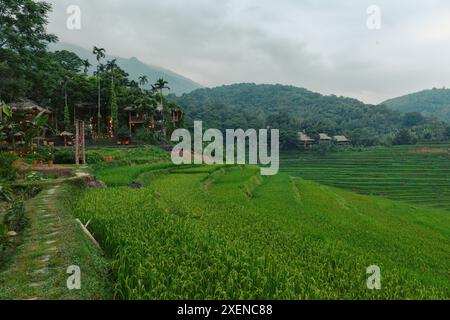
(293, 110)
(60, 81)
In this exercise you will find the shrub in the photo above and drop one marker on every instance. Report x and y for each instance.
(94, 158)
(123, 133)
(404, 137)
(14, 217)
(3, 233)
(324, 148)
(65, 156)
(146, 136)
(8, 171)
(42, 153)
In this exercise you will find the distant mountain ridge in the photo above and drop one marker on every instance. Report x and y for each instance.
(293, 109)
(433, 102)
(136, 68)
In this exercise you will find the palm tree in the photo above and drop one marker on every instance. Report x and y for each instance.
(111, 66)
(160, 85)
(86, 65)
(100, 54)
(143, 80)
(64, 82)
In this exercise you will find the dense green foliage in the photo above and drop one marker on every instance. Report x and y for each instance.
(127, 156)
(227, 233)
(12, 210)
(8, 170)
(23, 40)
(59, 80)
(399, 173)
(292, 109)
(434, 102)
(123, 175)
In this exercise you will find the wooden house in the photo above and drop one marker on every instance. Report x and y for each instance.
(136, 119)
(323, 137)
(176, 115)
(305, 139)
(27, 110)
(341, 140)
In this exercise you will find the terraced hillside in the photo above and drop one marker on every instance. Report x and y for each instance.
(228, 233)
(399, 173)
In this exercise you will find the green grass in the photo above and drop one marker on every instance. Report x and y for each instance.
(142, 154)
(24, 268)
(227, 233)
(115, 176)
(397, 173)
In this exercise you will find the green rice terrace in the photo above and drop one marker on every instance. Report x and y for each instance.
(225, 232)
(413, 174)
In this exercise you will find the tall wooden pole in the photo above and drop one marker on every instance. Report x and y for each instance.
(129, 122)
(80, 146)
(83, 145)
(77, 143)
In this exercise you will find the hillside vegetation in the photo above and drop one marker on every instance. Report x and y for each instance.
(292, 109)
(434, 102)
(227, 233)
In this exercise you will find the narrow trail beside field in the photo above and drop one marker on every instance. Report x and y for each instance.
(50, 243)
(31, 271)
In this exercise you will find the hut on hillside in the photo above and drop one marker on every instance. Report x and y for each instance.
(27, 110)
(136, 119)
(323, 137)
(341, 140)
(176, 114)
(305, 139)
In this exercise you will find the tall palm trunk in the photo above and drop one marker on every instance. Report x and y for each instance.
(99, 101)
(65, 93)
(112, 111)
(163, 115)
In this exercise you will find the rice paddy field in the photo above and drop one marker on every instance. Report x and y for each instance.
(141, 154)
(228, 233)
(398, 173)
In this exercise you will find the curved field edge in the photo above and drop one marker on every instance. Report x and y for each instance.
(292, 239)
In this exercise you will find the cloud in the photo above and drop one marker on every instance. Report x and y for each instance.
(321, 45)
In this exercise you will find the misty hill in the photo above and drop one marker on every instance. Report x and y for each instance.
(434, 102)
(249, 105)
(135, 68)
(292, 109)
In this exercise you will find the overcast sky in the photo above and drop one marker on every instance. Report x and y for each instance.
(324, 46)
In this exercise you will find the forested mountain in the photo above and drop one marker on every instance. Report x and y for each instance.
(58, 84)
(135, 68)
(293, 109)
(434, 102)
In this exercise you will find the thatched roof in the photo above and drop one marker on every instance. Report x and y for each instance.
(341, 139)
(27, 106)
(130, 108)
(303, 137)
(66, 134)
(324, 136)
